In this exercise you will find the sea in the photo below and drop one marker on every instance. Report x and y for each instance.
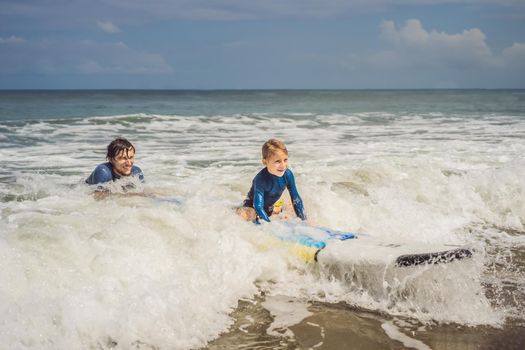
(167, 264)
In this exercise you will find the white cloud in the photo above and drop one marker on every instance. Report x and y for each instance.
(418, 57)
(81, 57)
(140, 11)
(515, 55)
(417, 46)
(108, 27)
(12, 40)
(231, 10)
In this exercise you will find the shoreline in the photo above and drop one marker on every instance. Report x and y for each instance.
(339, 326)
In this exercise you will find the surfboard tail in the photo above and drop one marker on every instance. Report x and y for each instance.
(441, 257)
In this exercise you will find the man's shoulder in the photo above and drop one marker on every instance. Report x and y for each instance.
(104, 166)
(102, 173)
(137, 172)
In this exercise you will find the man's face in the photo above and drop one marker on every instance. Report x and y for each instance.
(277, 163)
(123, 162)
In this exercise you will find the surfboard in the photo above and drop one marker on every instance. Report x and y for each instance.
(399, 254)
(346, 248)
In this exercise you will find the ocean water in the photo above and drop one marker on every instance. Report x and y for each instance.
(142, 270)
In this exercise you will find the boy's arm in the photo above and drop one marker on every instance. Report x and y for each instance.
(258, 203)
(294, 195)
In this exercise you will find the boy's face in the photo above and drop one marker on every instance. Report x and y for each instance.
(277, 163)
(123, 162)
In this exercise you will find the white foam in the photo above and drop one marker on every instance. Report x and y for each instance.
(286, 312)
(83, 272)
(125, 269)
(394, 333)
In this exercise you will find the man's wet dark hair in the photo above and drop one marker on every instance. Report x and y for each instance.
(118, 145)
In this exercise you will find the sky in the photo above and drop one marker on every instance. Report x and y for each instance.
(262, 44)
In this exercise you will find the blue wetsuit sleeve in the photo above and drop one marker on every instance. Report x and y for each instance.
(137, 172)
(258, 202)
(294, 195)
(101, 174)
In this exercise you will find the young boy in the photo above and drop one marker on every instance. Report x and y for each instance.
(269, 184)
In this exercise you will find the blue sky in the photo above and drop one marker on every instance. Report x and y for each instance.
(262, 44)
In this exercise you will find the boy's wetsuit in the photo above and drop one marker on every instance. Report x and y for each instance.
(104, 173)
(267, 189)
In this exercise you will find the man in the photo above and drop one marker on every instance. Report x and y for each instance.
(120, 156)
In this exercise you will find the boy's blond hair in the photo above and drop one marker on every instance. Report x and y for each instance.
(271, 147)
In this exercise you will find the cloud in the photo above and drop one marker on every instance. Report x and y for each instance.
(515, 55)
(81, 13)
(80, 57)
(12, 40)
(108, 27)
(413, 44)
(417, 57)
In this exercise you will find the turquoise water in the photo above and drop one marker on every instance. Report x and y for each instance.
(43, 104)
(422, 166)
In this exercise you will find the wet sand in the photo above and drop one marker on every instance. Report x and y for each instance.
(337, 326)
